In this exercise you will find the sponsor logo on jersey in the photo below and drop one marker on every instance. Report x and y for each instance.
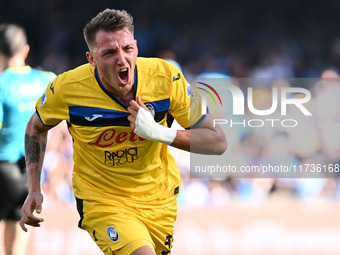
(52, 87)
(121, 157)
(112, 233)
(110, 137)
(93, 117)
(176, 78)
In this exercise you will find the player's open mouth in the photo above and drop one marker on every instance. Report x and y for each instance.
(124, 75)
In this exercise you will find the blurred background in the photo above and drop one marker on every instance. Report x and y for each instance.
(236, 36)
(243, 39)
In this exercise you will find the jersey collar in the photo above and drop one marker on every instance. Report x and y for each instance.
(20, 69)
(112, 95)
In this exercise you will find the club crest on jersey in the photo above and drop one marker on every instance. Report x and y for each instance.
(112, 233)
(151, 108)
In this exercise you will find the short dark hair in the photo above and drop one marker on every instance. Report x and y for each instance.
(107, 20)
(12, 39)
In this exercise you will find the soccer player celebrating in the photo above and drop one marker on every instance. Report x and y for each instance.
(117, 106)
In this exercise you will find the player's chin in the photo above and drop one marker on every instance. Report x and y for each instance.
(125, 88)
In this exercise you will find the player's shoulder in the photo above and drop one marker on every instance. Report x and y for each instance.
(75, 75)
(154, 65)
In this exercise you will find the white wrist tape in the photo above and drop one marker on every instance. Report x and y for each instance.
(148, 128)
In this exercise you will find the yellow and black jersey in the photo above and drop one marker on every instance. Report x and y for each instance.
(110, 159)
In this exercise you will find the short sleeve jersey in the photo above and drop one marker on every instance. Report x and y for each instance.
(111, 161)
(20, 88)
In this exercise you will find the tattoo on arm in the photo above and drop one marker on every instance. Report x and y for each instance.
(31, 170)
(33, 149)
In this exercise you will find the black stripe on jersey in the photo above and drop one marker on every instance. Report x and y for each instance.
(97, 117)
(160, 108)
(122, 122)
(170, 120)
(159, 116)
(80, 211)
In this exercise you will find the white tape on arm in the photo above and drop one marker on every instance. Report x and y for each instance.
(148, 128)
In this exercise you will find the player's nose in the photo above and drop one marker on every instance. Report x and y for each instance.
(121, 57)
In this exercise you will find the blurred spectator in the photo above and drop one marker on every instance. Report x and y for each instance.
(244, 40)
(58, 165)
(170, 56)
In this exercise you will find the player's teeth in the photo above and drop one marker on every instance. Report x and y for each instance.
(123, 70)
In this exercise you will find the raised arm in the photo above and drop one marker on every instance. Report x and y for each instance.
(35, 146)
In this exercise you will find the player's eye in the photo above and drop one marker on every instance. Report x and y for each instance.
(107, 53)
(128, 48)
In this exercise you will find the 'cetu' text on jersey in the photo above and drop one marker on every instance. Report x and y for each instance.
(111, 161)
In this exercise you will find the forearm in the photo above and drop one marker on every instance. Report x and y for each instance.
(35, 146)
(201, 140)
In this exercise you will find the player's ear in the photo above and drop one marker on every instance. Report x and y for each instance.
(25, 50)
(90, 58)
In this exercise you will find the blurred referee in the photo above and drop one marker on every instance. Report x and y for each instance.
(20, 87)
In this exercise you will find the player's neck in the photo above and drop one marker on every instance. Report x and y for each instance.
(125, 99)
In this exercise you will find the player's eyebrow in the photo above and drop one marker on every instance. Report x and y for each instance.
(129, 45)
(109, 50)
(115, 49)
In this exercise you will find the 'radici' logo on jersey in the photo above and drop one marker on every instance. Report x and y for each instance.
(110, 137)
(121, 157)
